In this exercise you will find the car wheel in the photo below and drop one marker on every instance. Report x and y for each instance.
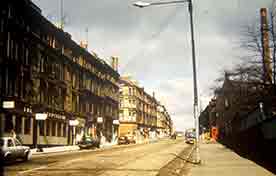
(27, 156)
(8, 158)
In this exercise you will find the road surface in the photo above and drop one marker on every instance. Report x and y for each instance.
(142, 160)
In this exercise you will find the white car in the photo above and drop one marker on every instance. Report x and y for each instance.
(12, 149)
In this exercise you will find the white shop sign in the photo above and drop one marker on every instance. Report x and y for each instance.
(40, 116)
(100, 120)
(73, 122)
(8, 104)
(116, 122)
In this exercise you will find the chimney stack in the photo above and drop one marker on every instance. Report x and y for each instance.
(114, 63)
(265, 46)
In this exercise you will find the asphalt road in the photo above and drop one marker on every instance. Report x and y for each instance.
(144, 160)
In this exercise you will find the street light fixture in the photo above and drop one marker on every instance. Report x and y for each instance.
(142, 4)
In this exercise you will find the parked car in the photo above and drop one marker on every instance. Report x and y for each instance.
(131, 139)
(127, 139)
(122, 140)
(88, 143)
(11, 149)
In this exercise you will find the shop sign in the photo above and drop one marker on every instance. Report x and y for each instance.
(56, 116)
(8, 104)
(116, 122)
(100, 120)
(73, 122)
(40, 116)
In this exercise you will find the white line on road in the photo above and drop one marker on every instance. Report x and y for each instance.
(30, 170)
(49, 165)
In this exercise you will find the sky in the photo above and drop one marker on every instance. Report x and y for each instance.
(154, 44)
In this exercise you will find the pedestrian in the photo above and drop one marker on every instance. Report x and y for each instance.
(13, 134)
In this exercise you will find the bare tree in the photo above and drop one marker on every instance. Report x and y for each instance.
(251, 42)
(251, 67)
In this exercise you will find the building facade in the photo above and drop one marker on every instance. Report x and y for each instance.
(164, 122)
(43, 71)
(138, 110)
(140, 113)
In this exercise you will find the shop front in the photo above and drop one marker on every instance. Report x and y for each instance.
(76, 130)
(115, 130)
(16, 120)
(51, 130)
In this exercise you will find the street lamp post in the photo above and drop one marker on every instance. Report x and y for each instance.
(190, 7)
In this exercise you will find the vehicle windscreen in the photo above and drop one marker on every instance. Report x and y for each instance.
(1, 142)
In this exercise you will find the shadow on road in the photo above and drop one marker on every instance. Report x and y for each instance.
(179, 165)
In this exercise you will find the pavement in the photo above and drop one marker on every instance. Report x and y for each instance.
(216, 159)
(72, 148)
(47, 150)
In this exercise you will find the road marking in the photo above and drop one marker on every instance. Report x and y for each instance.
(49, 165)
(31, 170)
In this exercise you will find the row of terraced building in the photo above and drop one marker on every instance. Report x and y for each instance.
(44, 73)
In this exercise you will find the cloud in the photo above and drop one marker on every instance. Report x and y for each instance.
(154, 44)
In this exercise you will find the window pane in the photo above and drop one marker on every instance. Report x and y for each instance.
(59, 129)
(64, 130)
(18, 125)
(53, 128)
(48, 128)
(8, 123)
(10, 143)
(17, 143)
(27, 125)
(41, 127)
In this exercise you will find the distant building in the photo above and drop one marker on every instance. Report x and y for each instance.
(229, 110)
(138, 109)
(164, 123)
(42, 70)
(141, 114)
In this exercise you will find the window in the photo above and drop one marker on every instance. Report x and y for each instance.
(53, 128)
(91, 108)
(2, 25)
(10, 143)
(1, 78)
(8, 123)
(16, 51)
(1, 142)
(59, 129)
(17, 143)
(18, 125)
(12, 49)
(41, 127)
(27, 125)
(129, 91)
(47, 128)
(8, 44)
(64, 129)
(26, 58)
